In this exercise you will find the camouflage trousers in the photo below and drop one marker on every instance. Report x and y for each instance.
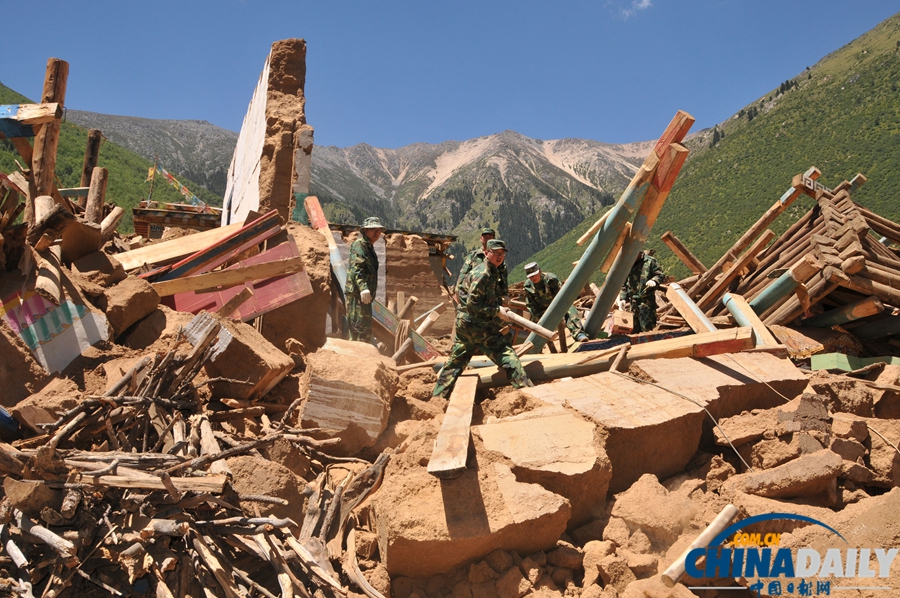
(644, 316)
(471, 339)
(359, 319)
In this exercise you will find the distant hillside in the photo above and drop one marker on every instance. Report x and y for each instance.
(196, 149)
(840, 115)
(532, 191)
(127, 170)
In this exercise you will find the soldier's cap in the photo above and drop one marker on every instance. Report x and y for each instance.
(532, 268)
(373, 222)
(495, 244)
(488, 231)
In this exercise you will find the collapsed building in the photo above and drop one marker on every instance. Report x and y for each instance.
(182, 417)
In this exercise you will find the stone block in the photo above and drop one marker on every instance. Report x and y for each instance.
(646, 429)
(728, 384)
(805, 476)
(648, 506)
(127, 302)
(848, 449)
(556, 449)
(48, 404)
(240, 353)
(100, 268)
(427, 526)
(356, 405)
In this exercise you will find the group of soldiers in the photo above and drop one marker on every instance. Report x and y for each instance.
(482, 289)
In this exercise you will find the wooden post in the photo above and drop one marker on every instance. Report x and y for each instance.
(688, 310)
(91, 157)
(745, 316)
(536, 329)
(43, 162)
(93, 211)
(110, 223)
(671, 159)
(406, 312)
(683, 253)
(561, 331)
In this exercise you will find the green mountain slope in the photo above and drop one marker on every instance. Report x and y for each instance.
(841, 115)
(127, 171)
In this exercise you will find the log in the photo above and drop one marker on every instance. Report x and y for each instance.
(49, 276)
(62, 546)
(683, 253)
(745, 316)
(868, 306)
(593, 229)
(688, 310)
(209, 559)
(214, 484)
(527, 324)
(552, 367)
(91, 157)
(405, 312)
(109, 224)
(754, 231)
(43, 161)
(93, 211)
(674, 572)
(235, 302)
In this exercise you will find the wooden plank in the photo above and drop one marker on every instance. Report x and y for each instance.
(683, 253)
(268, 294)
(451, 447)
(318, 221)
(75, 192)
(215, 255)
(168, 251)
(25, 120)
(228, 278)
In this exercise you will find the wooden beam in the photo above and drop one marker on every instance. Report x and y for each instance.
(228, 278)
(745, 316)
(25, 120)
(552, 367)
(451, 447)
(593, 230)
(91, 156)
(688, 310)
(719, 287)
(683, 253)
(93, 211)
(43, 162)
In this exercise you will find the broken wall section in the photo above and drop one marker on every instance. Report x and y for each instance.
(263, 172)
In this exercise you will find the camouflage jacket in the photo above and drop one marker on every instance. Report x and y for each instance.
(538, 297)
(363, 267)
(635, 287)
(479, 298)
(477, 257)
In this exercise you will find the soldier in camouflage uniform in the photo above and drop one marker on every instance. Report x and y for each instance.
(362, 281)
(540, 289)
(476, 256)
(479, 323)
(640, 290)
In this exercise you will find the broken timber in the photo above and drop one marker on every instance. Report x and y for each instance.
(551, 367)
(451, 448)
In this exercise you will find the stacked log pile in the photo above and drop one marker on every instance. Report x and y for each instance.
(836, 256)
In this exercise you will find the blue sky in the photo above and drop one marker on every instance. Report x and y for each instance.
(392, 73)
